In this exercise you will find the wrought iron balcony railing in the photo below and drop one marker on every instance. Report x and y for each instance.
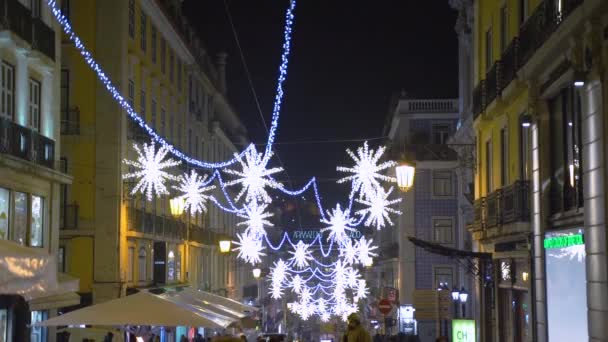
(478, 99)
(508, 65)
(492, 83)
(26, 144)
(43, 38)
(503, 206)
(17, 18)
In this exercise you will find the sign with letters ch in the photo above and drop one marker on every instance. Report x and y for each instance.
(463, 330)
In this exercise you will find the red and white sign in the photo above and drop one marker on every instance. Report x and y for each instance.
(385, 306)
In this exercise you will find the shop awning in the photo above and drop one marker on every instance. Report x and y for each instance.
(65, 295)
(29, 272)
(225, 304)
(436, 248)
(143, 308)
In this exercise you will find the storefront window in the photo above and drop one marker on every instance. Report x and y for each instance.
(4, 325)
(171, 266)
(20, 224)
(39, 334)
(178, 267)
(37, 217)
(4, 213)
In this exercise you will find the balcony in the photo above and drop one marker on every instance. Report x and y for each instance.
(17, 18)
(532, 35)
(136, 133)
(151, 224)
(26, 144)
(203, 236)
(69, 217)
(70, 121)
(502, 207)
(43, 38)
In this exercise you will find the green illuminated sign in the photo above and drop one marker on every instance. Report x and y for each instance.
(463, 330)
(564, 241)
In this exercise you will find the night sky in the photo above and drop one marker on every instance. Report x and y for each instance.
(348, 59)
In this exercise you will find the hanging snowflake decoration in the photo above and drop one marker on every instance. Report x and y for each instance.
(366, 173)
(325, 317)
(352, 277)
(362, 290)
(301, 255)
(255, 219)
(276, 290)
(151, 172)
(296, 283)
(348, 252)
(250, 248)
(378, 208)
(278, 272)
(339, 222)
(365, 250)
(194, 188)
(254, 177)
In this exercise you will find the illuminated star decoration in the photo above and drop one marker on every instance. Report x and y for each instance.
(348, 252)
(250, 248)
(254, 177)
(296, 283)
(193, 188)
(366, 173)
(379, 208)
(301, 255)
(339, 221)
(364, 250)
(255, 219)
(277, 276)
(362, 290)
(151, 172)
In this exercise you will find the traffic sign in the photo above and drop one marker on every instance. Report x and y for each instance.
(385, 306)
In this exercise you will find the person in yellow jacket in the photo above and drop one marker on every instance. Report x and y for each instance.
(355, 331)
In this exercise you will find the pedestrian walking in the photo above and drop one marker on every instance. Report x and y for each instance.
(355, 331)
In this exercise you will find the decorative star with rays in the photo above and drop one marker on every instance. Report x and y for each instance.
(296, 283)
(348, 252)
(362, 290)
(339, 222)
(379, 208)
(194, 189)
(254, 177)
(301, 254)
(150, 165)
(366, 174)
(255, 216)
(250, 248)
(365, 249)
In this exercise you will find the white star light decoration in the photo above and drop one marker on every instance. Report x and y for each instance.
(366, 173)
(254, 177)
(255, 219)
(379, 208)
(348, 252)
(364, 250)
(151, 172)
(301, 255)
(339, 222)
(250, 248)
(193, 188)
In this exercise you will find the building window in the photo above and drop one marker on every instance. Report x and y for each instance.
(178, 266)
(525, 149)
(65, 94)
(489, 184)
(171, 66)
(504, 157)
(442, 183)
(163, 55)
(142, 103)
(153, 113)
(132, 19)
(34, 105)
(142, 264)
(130, 256)
(65, 8)
(153, 42)
(489, 56)
(35, 7)
(143, 32)
(443, 230)
(8, 91)
(504, 27)
(61, 259)
(440, 132)
(443, 275)
(5, 200)
(20, 221)
(4, 325)
(131, 93)
(171, 266)
(39, 334)
(566, 155)
(163, 117)
(179, 74)
(523, 11)
(36, 231)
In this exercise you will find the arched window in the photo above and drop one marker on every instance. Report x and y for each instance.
(142, 264)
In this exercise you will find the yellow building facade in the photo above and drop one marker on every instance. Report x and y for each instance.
(536, 66)
(114, 240)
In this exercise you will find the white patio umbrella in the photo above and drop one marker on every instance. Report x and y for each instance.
(143, 308)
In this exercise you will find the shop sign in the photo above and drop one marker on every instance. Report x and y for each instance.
(463, 330)
(309, 235)
(563, 241)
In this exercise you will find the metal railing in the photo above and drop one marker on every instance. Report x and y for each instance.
(158, 225)
(508, 65)
(492, 83)
(136, 133)
(43, 38)
(15, 17)
(503, 206)
(478, 99)
(70, 121)
(69, 216)
(431, 106)
(26, 144)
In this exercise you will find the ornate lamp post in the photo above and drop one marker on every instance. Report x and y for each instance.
(405, 175)
(463, 296)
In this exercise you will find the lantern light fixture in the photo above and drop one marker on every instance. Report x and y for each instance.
(225, 245)
(257, 273)
(176, 205)
(405, 175)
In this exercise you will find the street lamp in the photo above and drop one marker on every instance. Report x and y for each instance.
(455, 298)
(526, 121)
(225, 245)
(369, 262)
(257, 273)
(177, 206)
(464, 295)
(405, 175)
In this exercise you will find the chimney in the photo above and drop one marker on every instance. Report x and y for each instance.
(221, 71)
